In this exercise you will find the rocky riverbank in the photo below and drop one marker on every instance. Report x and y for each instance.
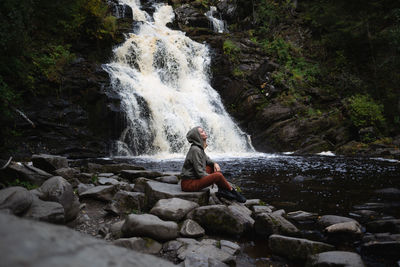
(145, 211)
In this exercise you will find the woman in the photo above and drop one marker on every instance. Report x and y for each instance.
(199, 171)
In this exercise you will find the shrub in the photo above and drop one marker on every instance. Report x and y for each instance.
(365, 112)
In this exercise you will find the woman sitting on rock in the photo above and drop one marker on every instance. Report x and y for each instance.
(199, 171)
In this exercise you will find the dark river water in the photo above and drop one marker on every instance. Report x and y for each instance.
(320, 184)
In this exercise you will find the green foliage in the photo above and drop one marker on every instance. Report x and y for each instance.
(231, 50)
(365, 112)
(95, 178)
(25, 184)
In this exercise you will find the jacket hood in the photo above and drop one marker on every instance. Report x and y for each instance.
(193, 136)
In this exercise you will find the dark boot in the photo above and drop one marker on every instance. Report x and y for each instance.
(239, 197)
(227, 194)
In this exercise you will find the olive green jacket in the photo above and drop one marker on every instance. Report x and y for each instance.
(196, 159)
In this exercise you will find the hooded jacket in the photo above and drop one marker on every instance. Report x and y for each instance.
(196, 159)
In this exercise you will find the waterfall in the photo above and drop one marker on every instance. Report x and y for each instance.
(162, 78)
(218, 24)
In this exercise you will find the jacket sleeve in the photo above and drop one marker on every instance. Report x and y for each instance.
(197, 163)
(209, 162)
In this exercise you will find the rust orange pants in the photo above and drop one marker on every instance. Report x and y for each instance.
(193, 185)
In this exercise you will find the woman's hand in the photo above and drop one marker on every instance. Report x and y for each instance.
(216, 167)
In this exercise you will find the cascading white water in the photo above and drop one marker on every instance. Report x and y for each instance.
(162, 78)
(218, 24)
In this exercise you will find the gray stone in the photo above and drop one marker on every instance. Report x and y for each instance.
(106, 174)
(156, 191)
(49, 163)
(296, 248)
(24, 172)
(15, 199)
(223, 219)
(125, 202)
(145, 245)
(382, 245)
(268, 223)
(230, 247)
(252, 202)
(280, 212)
(102, 192)
(84, 187)
(328, 220)
(173, 209)
(116, 229)
(196, 260)
(208, 248)
(47, 211)
(261, 209)
(191, 229)
(133, 174)
(67, 173)
(381, 226)
(107, 181)
(140, 184)
(301, 216)
(147, 225)
(335, 258)
(35, 244)
(170, 179)
(348, 229)
(370, 206)
(57, 189)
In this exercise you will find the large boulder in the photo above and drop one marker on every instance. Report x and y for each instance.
(156, 191)
(36, 244)
(335, 258)
(222, 219)
(328, 220)
(101, 192)
(145, 245)
(47, 211)
(49, 163)
(148, 225)
(296, 248)
(25, 172)
(269, 223)
(16, 199)
(57, 189)
(125, 202)
(173, 209)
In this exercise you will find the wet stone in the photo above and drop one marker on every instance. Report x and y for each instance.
(381, 226)
(301, 216)
(260, 209)
(335, 258)
(133, 174)
(191, 229)
(328, 220)
(268, 223)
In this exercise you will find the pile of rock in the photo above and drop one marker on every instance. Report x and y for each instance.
(146, 211)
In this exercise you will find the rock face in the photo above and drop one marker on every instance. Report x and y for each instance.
(335, 258)
(296, 248)
(57, 189)
(15, 199)
(222, 219)
(148, 225)
(34, 244)
(173, 209)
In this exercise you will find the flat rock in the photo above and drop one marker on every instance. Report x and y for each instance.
(145, 245)
(198, 260)
(268, 223)
(252, 202)
(301, 216)
(125, 202)
(223, 219)
(260, 209)
(112, 168)
(47, 211)
(173, 209)
(328, 220)
(191, 229)
(133, 174)
(84, 187)
(59, 190)
(335, 258)
(107, 181)
(296, 248)
(36, 244)
(344, 231)
(140, 184)
(101, 192)
(49, 163)
(156, 191)
(148, 225)
(170, 179)
(67, 173)
(16, 199)
(24, 172)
